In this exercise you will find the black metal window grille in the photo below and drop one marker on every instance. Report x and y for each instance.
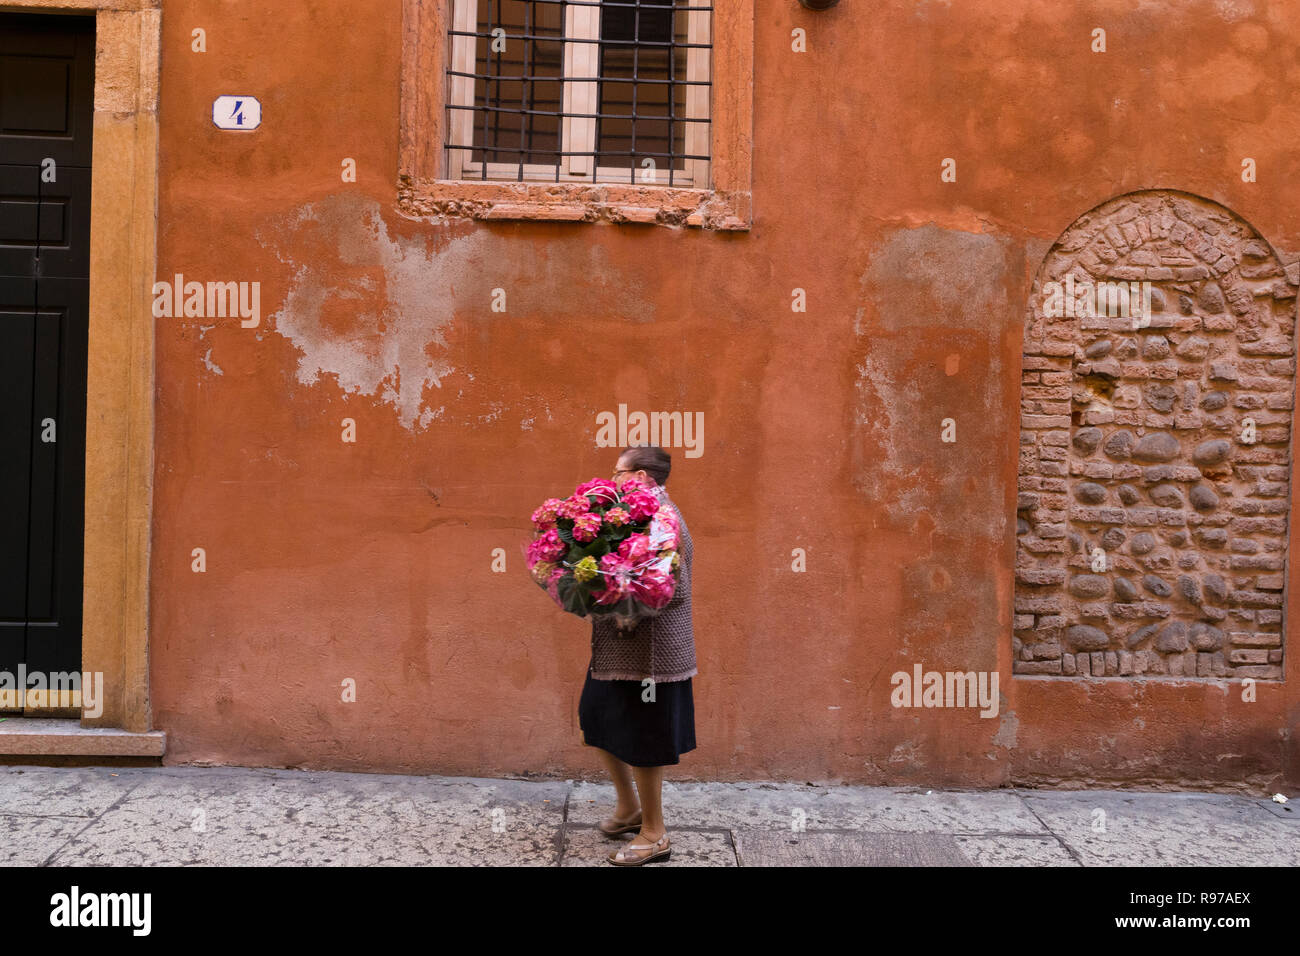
(638, 113)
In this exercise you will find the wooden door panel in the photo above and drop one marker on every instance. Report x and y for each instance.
(46, 119)
(46, 78)
(64, 224)
(55, 551)
(19, 218)
(17, 348)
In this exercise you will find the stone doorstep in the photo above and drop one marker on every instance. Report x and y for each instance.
(43, 736)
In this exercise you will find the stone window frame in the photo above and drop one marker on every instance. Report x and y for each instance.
(425, 192)
(578, 134)
(119, 389)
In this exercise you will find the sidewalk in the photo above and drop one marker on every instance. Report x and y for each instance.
(92, 816)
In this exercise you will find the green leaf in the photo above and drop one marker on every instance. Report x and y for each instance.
(571, 596)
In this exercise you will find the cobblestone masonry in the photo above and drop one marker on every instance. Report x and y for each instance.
(1151, 531)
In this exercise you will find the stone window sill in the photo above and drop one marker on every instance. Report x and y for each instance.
(574, 202)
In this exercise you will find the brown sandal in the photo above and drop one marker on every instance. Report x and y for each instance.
(662, 850)
(614, 827)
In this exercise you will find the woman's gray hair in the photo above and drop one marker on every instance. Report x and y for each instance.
(652, 459)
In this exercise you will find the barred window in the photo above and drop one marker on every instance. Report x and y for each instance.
(580, 91)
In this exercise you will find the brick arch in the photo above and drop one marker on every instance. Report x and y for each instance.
(1150, 532)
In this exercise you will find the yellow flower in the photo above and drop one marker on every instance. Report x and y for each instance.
(585, 569)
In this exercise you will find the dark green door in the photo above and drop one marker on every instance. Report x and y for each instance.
(46, 115)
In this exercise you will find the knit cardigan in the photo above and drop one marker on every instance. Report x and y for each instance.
(660, 647)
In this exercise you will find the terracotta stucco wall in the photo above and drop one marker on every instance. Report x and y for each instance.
(371, 560)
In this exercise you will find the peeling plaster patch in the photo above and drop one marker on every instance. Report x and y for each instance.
(207, 362)
(340, 248)
(369, 352)
(882, 403)
(1233, 10)
(909, 753)
(207, 356)
(1008, 730)
(930, 277)
(920, 283)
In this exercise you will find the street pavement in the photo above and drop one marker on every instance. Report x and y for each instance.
(204, 816)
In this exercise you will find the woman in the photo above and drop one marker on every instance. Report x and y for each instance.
(637, 706)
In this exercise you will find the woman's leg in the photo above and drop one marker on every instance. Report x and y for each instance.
(649, 784)
(621, 774)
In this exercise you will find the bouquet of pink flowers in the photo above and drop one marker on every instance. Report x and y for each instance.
(606, 550)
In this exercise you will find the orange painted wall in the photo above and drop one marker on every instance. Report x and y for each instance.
(372, 561)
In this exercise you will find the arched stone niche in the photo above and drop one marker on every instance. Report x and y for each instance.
(1151, 522)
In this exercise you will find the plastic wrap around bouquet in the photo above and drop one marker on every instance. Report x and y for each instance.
(606, 550)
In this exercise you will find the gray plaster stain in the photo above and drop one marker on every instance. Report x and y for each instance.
(923, 281)
(394, 353)
(384, 353)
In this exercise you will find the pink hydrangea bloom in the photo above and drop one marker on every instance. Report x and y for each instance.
(601, 488)
(544, 517)
(617, 517)
(617, 575)
(641, 505)
(666, 515)
(635, 549)
(546, 547)
(654, 588)
(664, 531)
(632, 482)
(586, 527)
(573, 508)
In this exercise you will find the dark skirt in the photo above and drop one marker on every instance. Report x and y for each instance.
(614, 718)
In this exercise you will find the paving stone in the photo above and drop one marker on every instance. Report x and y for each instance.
(773, 848)
(1015, 851)
(1164, 829)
